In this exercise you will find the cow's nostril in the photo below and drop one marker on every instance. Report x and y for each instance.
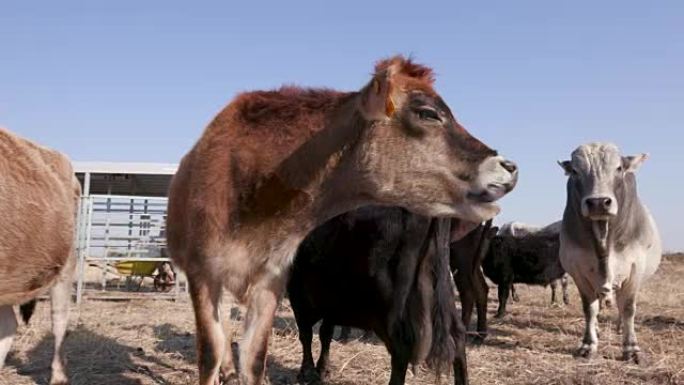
(599, 203)
(509, 166)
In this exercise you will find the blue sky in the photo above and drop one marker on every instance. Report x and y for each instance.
(139, 80)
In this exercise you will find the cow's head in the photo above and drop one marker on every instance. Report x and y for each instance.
(600, 179)
(416, 155)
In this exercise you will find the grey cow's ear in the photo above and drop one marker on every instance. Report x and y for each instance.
(632, 163)
(566, 165)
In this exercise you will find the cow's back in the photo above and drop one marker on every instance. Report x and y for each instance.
(38, 199)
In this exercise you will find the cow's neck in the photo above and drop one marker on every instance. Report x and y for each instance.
(309, 186)
(628, 226)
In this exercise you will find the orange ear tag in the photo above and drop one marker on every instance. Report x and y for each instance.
(389, 106)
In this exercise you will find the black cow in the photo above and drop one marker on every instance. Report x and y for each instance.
(530, 259)
(385, 270)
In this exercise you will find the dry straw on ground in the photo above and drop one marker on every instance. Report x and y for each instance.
(151, 342)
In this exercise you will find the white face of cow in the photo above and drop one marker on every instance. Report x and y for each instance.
(597, 172)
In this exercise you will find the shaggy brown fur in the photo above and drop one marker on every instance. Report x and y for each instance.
(38, 200)
(275, 164)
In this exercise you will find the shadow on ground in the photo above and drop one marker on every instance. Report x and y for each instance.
(94, 359)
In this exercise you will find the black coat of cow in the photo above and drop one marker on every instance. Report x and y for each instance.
(465, 259)
(531, 259)
(380, 269)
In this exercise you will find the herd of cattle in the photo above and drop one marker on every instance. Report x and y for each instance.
(366, 207)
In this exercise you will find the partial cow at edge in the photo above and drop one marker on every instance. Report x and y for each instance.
(38, 201)
(609, 241)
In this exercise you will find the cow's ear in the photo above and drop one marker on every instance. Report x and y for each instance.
(376, 96)
(566, 165)
(632, 163)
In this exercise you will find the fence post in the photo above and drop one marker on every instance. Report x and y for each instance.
(83, 207)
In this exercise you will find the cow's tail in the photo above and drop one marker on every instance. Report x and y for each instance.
(443, 349)
(27, 309)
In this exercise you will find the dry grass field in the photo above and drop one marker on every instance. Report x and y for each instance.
(151, 342)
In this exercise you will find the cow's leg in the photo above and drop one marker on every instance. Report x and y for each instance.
(307, 372)
(503, 290)
(481, 292)
(325, 334)
(514, 294)
(8, 326)
(630, 348)
(460, 360)
(554, 287)
(465, 291)
(345, 333)
(564, 286)
(211, 342)
(60, 297)
(618, 324)
(261, 310)
(590, 306)
(400, 362)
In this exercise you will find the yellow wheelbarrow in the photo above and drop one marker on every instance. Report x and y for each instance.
(136, 269)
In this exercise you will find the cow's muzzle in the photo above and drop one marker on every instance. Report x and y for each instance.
(599, 207)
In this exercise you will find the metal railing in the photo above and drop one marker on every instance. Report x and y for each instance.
(124, 237)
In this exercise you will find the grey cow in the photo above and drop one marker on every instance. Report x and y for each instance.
(609, 241)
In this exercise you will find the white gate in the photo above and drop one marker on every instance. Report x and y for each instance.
(122, 239)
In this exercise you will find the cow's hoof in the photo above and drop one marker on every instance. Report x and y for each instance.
(478, 338)
(231, 378)
(59, 381)
(309, 377)
(585, 351)
(632, 354)
(323, 373)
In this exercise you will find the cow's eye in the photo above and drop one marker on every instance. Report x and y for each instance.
(620, 169)
(428, 114)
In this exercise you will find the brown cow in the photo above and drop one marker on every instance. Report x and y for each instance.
(38, 200)
(275, 164)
